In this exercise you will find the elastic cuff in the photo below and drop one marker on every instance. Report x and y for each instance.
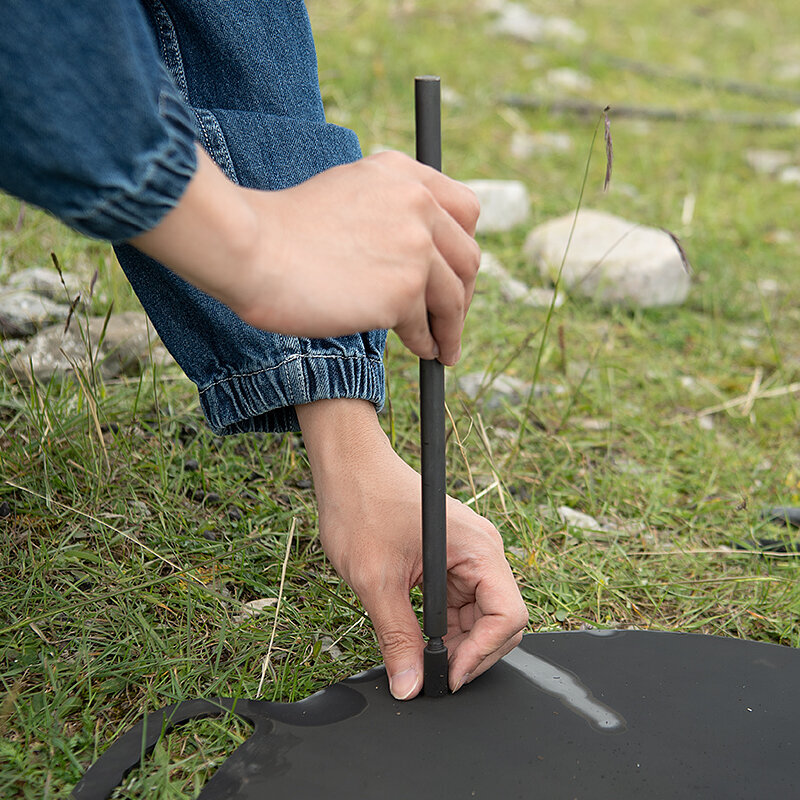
(142, 205)
(265, 400)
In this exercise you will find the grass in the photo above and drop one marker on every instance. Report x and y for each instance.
(135, 535)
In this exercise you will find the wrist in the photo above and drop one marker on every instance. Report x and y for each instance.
(342, 436)
(210, 237)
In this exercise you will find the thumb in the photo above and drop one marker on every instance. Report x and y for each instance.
(400, 640)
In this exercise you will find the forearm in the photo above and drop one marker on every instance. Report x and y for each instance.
(209, 237)
(340, 435)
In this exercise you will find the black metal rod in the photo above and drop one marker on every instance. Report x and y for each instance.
(427, 102)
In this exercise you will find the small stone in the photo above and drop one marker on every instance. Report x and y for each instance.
(23, 313)
(191, 465)
(211, 536)
(253, 608)
(494, 392)
(767, 162)
(779, 236)
(768, 286)
(568, 80)
(610, 260)
(234, 514)
(788, 72)
(10, 347)
(327, 645)
(789, 174)
(5, 509)
(591, 424)
(514, 291)
(517, 21)
(212, 499)
(504, 204)
(197, 495)
(141, 509)
(46, 282)
(450, 97)
(577, 519)
(525, 145)
(304, 484)
(126, 347)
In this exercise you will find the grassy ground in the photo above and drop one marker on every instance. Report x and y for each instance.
(134, 535)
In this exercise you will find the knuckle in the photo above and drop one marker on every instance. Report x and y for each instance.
(393, 640)
(475, 257)
(413, 284)
(521, 618)
(472, 206)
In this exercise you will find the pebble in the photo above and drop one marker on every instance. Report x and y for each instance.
(22, 313)
(504, 204)
(515, 20)
(566, 79)
(497, 391)
(526, 145)
(767, 162)
(125, 348)
(47, 283)
(515, 291)
(577, 519)
(610, 260)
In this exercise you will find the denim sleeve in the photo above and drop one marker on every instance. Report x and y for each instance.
(93, 128)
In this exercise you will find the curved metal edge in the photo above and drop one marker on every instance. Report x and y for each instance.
(330, 705)
(125, 753)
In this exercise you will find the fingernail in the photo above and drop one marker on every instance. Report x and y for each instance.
(463, 680)
(403, 683)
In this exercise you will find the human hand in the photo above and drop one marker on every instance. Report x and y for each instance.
(369, 517)
(384, 242)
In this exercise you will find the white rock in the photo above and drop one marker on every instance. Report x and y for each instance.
(450, 97)
(125, 347)
(767, 162)
(789, 175)
(610, 259)
(515, 291)
(577, 519)
(788, 72)
(22, 312)
(524, 145)
(495, 392)
(253, 608)
(517, 21)
(47, 283)
(768, 286)
(504, 204)
(327, 645)
(568, 80)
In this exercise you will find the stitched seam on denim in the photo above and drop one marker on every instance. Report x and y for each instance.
(168, 44)
(218, 148)
(284, 363)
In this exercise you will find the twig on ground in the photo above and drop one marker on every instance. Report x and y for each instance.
(589, 108)
(749, 398)
(266, 663)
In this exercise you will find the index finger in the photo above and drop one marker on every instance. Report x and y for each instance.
(457, 199)
(499, 616)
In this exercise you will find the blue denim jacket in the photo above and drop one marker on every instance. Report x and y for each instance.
(101, 133)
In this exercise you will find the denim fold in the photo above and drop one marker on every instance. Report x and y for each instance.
(102, 103)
